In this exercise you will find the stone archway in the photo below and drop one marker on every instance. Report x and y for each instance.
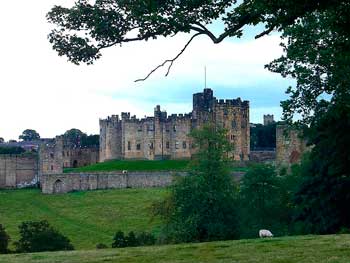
(58, 187)
(75, 164)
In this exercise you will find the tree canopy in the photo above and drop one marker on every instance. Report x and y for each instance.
(202, 206)
(77, 138)
(29, 135)
(316, 50)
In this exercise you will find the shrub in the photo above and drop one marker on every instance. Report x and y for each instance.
(146, 239)
(119, 240)
(4, 240)
(131, 240)
(40, 236)
(101, 246)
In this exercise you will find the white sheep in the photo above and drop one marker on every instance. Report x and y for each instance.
(265, 233)
(124, 171)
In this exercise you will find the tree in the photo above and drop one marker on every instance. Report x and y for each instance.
(317, 55)
(263, 136)
(77, 138)
(73, 137)
(40, 236)
(119, 240)
(29, 135)
(259, 199)
(108, 23)
(202, 206)
(4, 240)
(323, 198)
(2, 140)
(11, 150)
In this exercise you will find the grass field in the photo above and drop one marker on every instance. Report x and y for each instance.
(87, 218)
(134, 165)
(140, 165)
(302, 249)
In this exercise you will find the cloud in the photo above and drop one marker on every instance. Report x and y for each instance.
(42, 91)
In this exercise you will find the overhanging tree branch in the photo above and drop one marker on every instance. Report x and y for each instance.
(171, 61)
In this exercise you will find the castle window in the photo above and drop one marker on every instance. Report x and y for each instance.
(234, 125)
(151, 145)
(129, 146)
(184, 145)
(176, 145)
(225, 112)
(67, 153)
(232, 137)
(138, 146)
(51, 167)
(167, 145)
(63, 154)
(140, 128)
(52, 155)
(174, 128)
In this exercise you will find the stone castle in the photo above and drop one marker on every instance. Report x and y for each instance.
(167, 137)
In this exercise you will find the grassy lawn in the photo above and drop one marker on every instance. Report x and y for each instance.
(87, 218)
(302, 249)
(141, 165)
(134, 165)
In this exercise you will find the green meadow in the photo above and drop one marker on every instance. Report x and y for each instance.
(298, 249)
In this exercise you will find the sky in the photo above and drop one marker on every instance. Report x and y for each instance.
(42, 91)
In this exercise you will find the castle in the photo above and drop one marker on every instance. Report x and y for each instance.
(167, 137)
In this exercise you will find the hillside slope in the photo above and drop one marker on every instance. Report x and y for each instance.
(302, 249)
(87, 218)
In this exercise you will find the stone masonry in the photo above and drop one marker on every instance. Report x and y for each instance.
(64, 183)
(18, 171)
(289, 146)
(167, 137)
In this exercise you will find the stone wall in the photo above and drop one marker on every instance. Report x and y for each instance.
(79, 157)
(18, 171)
(262, 156)
(289, 146)
(64, 183)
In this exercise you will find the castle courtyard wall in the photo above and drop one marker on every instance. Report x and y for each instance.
(64, 183)
(18, 170)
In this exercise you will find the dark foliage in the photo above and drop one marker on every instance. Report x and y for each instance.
(11, 150)
(202, 206)
(263, 136)
(133, 240)
(40, 236)
(4, 240)
(29, 135)
(77, 138)
(323, 198)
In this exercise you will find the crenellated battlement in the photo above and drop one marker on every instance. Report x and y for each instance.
(167, 136)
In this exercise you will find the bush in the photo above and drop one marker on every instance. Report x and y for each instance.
(132, 240)
(101, 246)
(4, 240)
(40, 236)
(146, 239)
(119, 240)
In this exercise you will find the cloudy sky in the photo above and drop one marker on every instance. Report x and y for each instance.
(42, 91)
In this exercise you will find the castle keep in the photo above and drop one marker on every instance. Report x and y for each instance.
(167, 137)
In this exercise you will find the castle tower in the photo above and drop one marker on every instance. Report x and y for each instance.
(268, 119)
(110, 138)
